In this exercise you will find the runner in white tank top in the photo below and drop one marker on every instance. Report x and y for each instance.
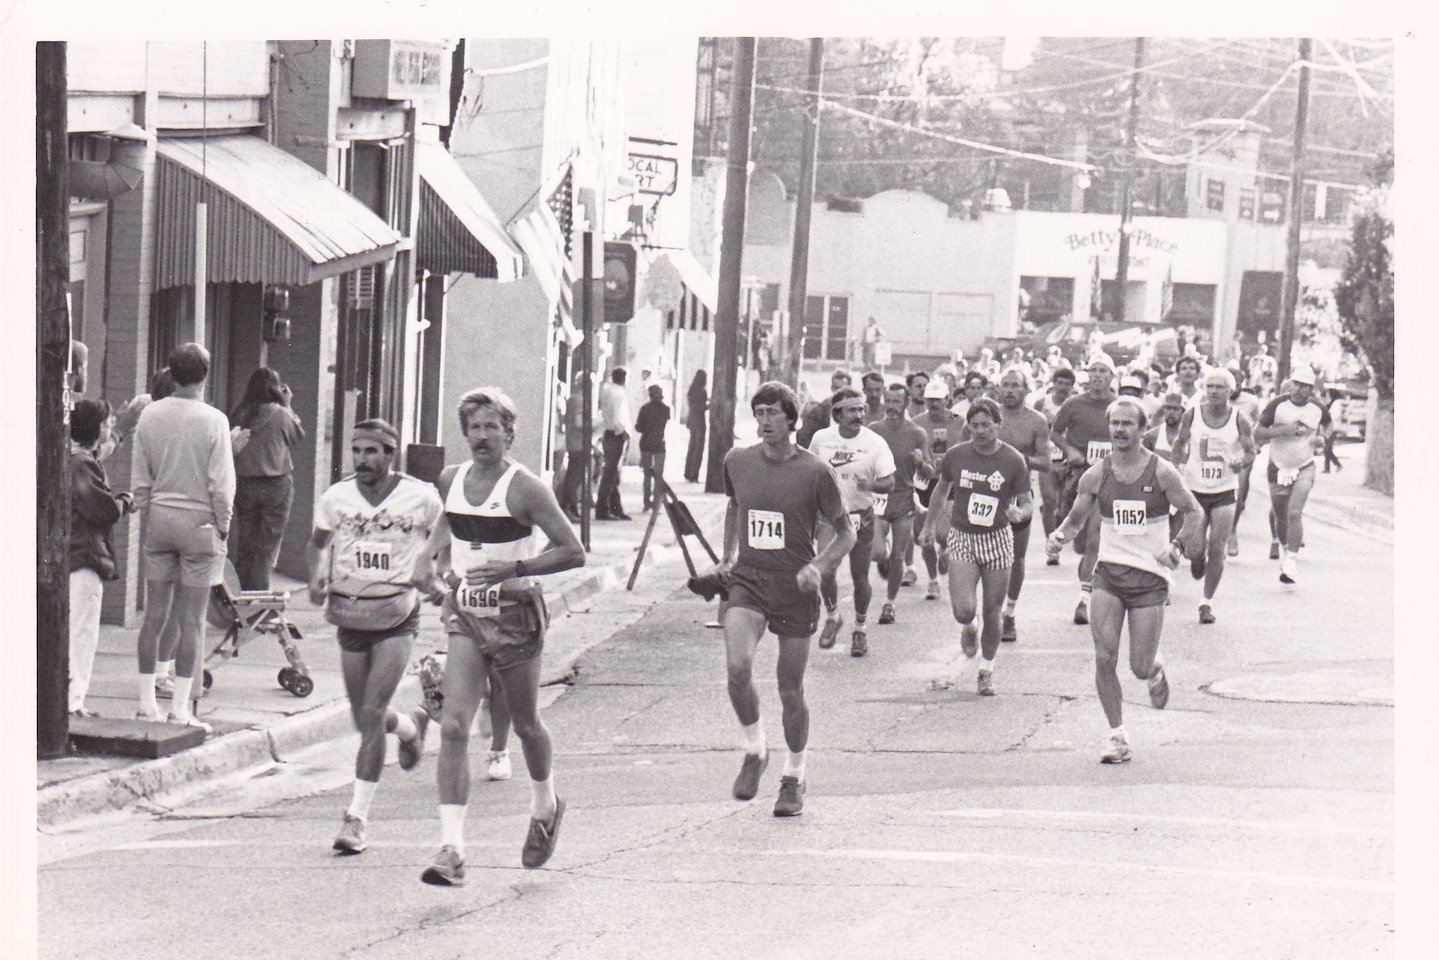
(1215, 442)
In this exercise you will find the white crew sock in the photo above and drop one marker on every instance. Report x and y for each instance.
(987, 665)
(754, 738)
(452, 826)
(1119, 732)
(794, 764)
(405, 727)
(360, 799)
(147, 693)
(180, 705)
(542, 798)
(165, 668)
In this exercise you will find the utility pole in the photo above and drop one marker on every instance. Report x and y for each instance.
(1131, 157)
(1296, 214)
(799, 260)
(722, 400)
(52, 423)
(587, 348)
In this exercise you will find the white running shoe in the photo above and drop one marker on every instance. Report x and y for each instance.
(499, 765)
(932, 593)
(1288, 568)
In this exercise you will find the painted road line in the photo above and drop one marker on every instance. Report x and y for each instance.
(1284, 826)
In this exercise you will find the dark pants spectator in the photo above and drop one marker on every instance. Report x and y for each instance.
(695, 454)
(262, 508)
(653, 465)
(573, 482)
(607, 498)
(1330, 460)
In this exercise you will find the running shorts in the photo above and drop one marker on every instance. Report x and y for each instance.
(360, 641)
(788, 610)
(862, 522)
(1209, 501)
(1272, 472)
(183, 545)
(1132, 587)
(990, 550)
(515, 636)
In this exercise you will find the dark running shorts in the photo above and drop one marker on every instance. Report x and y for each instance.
(1131, 587)
(862, 522)
(788, 611)
(1211, 500)
(516, 636)
(360, 641)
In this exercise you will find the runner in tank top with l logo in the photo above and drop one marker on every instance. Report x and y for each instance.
(483, 533)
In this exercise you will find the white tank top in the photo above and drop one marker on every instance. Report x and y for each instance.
(484, 533)
(1208, 470)
(1162, 443)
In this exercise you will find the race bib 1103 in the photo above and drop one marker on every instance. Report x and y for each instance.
(766, 530)
(1097, 451)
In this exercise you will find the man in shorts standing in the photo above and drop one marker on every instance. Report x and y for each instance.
(907, 444)
(366, 557)
(779, 497)
(489, 553)
(1215, 441)
(185, 484)
(990, 480)
(942, 429)
(1081, 431)
(1133, 489)
(1290, 423)
(862, 462)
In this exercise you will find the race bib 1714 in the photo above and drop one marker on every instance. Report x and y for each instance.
(766, 530)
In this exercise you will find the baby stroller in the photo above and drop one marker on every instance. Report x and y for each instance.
(244, 615)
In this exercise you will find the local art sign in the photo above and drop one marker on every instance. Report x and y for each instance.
(653, 174)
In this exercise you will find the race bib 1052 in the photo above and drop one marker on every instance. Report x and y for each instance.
(1130, 517)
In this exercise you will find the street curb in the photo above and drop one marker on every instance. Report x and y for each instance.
(256, 749)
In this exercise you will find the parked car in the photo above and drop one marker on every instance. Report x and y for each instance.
(1349, 413)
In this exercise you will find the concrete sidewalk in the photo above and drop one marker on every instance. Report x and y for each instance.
(1340, 499)
(257, 723)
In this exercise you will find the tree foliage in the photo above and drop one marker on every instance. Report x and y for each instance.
(1365, 294)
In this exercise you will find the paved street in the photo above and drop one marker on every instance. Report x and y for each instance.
(1254, 820)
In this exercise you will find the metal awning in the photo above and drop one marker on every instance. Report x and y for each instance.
(272, 217)
(459, 232)
(697, 304)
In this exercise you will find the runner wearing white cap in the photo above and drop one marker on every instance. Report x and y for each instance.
(1290, 423)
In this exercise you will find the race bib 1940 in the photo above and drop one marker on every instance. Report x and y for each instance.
(982, 509)
(1097, 451)
(372, 559)
(1130, 517)
(766, 530)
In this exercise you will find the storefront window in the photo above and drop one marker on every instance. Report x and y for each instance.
(826, 328)
(1193, 304)
(1050, 298)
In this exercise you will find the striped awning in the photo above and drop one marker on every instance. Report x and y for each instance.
(459, 232)
(698, 303)
(272, 217)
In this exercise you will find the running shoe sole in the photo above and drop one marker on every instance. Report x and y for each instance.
(1159, 692)
(791, 798)
(1081, 613)
(858, 644)
(886, 613)
(830, 633)
(444, 873)
(985, 683)
(1113, 755)
(1205, 614)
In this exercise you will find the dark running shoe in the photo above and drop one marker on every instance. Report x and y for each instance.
(540, 841)
(412, 750)
(1206, 615)
(858, 644)
(830, 633)
(1007, 633)
(791, 797)
(746, 785)
(1081, 612)
(1159, 689)
(886, 613)
(1196, 566)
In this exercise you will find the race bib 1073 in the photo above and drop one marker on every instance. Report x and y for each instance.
(766, 530)
(1130, 517)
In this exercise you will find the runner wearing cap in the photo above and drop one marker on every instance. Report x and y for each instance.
(1291, 423)
(366, 557)
(1215, 439)
(908, 445)
(990, 480)
(1081, 430)
(866, 470)
(1133, 490)
(943, 431)
(1132, 386)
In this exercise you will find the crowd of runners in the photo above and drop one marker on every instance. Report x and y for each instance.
(1136, 470)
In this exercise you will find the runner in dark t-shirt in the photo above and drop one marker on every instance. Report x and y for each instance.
(778, 496)
(1081, 431)
(990, 480)
(912, 464)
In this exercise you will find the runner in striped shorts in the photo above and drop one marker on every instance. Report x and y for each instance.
(990, 480)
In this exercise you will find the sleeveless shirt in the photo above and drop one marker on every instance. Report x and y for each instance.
(485, 533)
(1207, 469)
(1134, 519)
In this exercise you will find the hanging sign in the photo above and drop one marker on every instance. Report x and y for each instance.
(652, 174)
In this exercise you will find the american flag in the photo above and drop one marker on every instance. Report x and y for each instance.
(1166, 299)
(1096, 292)
(546, 235)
